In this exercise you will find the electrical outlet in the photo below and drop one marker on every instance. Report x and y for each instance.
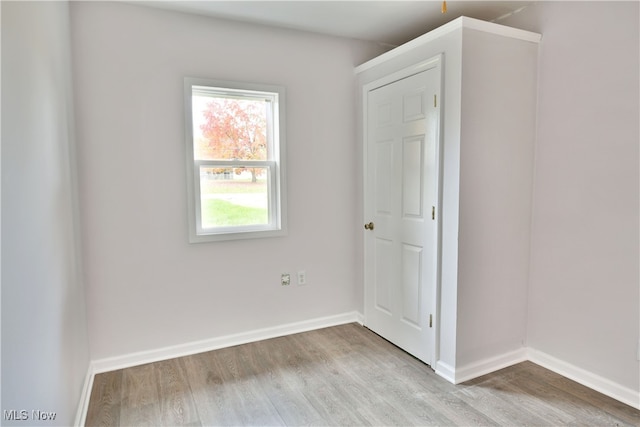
(302, 277)
(285, 279)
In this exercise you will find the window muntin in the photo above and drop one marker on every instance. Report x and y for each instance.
(234, 158)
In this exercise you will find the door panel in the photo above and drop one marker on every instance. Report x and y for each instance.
(412, 177)
(384, 275)
(411, 285)
(400, 189)
(384, 169)
(413, 106)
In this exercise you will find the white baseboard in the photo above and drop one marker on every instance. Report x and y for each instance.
(83, 406)
(446, 371)
(607, 387)
(186, 349)
(586, 378)
(492, 364)
(479, 368)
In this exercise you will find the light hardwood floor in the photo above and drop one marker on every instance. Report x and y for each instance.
(344, 375)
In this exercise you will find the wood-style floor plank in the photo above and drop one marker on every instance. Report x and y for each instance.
(227, 390)
(139, 396)
(321, 385)
(175, 398)
(106, 395)
(344, 375)
(281, 384)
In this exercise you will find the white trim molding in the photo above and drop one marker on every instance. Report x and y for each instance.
(491, 364)
(481, 367)
(189, 348)
(586, 378)
(461, 22)
(446, 371)
(83, 406)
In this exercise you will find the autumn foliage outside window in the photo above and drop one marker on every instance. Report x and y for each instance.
(232, 129)
(235, 141)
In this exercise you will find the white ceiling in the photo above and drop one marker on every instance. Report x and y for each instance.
(387, 22)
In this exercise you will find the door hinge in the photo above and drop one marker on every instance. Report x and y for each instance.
(435, 101)
(431, 320)
(433, 212)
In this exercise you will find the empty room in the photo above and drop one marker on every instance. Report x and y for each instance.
(320, 212)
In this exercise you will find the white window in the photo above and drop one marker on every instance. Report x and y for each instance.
(235, 160)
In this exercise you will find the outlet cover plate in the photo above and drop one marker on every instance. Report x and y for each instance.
(285, 279)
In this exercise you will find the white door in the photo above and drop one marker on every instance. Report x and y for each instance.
(401, 193)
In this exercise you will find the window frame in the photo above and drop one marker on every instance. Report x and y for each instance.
(275, 162)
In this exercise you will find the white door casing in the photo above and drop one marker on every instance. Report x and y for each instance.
(401, 134)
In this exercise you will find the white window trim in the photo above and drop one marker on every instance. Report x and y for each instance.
(276, 164)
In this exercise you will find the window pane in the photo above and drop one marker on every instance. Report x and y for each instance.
(229, 128)
(236, 181)
(234, 196)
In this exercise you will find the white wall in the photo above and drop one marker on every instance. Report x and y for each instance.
(45, 351)
(497, 139)
(147, 286)
(584, 286)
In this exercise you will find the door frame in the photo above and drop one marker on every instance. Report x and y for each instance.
(436, 61)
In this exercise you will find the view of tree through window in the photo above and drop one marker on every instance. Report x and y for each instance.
(232, 129)
(235, 144)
